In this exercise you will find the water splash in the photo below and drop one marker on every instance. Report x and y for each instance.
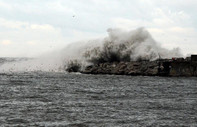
(129, 46)
(119, 45)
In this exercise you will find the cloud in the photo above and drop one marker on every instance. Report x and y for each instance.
(46, 27)
(5, 5)
(59, 6)
(50, 23)
(32, 43)
(25, 35)
(12, 24)
(171, 29)
(5, 42)
(24, 25)
(31, 39)
(166, 17)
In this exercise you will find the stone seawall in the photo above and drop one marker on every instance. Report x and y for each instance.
(124, 68)
(145, 68)
(183, 69)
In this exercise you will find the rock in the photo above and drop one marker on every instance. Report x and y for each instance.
(148, 68)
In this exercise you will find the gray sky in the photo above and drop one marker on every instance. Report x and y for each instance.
(33, 27)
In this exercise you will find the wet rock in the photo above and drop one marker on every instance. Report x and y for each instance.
(123, 68)
(147, 68)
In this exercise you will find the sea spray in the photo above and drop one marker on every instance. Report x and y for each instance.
(129, 46)
(47, 62)
(118, 46)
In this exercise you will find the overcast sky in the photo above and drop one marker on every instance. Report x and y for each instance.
(32, 27)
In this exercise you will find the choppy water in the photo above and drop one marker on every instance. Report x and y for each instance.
(59, 99)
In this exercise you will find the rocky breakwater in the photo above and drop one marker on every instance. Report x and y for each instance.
(162, 67)
(147, 68)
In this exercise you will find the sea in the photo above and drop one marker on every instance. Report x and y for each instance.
(40, 98)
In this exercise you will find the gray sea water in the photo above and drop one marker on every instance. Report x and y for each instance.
(78, 100)
(59, 99)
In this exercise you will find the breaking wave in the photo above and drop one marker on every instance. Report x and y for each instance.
(118, 46)
(129, 46)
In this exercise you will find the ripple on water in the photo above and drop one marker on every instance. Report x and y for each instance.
(59, 99)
